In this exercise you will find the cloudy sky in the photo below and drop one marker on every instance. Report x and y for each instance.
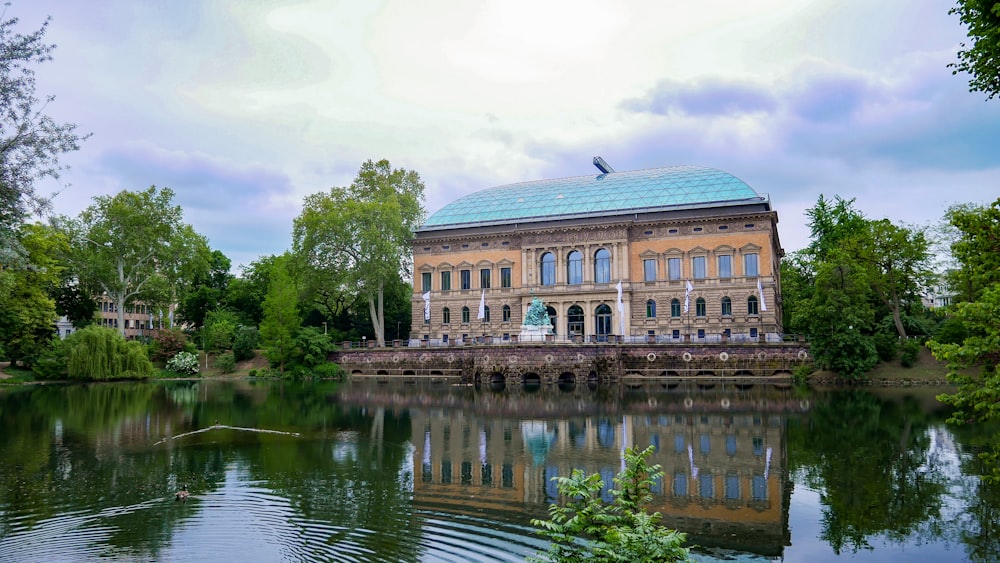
(244, 107)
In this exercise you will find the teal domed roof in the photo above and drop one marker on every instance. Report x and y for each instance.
(654, 189)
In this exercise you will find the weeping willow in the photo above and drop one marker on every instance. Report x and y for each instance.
(103, 353)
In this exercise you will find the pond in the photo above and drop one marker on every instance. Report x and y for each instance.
(365, 471)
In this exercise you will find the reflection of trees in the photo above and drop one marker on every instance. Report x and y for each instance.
(85, 453)
(979, 523)
(867, 456)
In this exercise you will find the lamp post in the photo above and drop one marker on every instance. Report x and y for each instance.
(324, 328)
(364, 341)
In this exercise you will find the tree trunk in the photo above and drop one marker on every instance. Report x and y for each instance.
(377, 312)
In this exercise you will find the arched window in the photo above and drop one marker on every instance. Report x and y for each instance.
(548, 269)
(699, 307)
(465, 314)
(650, 309)
(446, 315)
(602, 266)
(486, 314)
(574, 320)
(552, 318)
(505, 313)
(675, 308)
(727, 307)
(752, 305)
(602, 318)
(574, 268)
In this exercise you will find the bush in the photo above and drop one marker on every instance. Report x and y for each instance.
(51, 363)
(225, 363)
(328, 371)
(800, 375)
(96, 352)
(886, 345)
(184, 363)
(584, 528)
(911, 351)
(951, 331)
(245, 342)
(167, 343)
(312, 347)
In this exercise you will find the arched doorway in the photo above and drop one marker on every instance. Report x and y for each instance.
(602, 322)
(574, 321)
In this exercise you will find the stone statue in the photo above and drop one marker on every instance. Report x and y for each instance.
(537, 315)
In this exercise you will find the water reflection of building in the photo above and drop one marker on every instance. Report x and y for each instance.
(725, 474)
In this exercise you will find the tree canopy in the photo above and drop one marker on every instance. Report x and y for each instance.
(31, 142)
(981, 59)
(133, 246)
(356, 240)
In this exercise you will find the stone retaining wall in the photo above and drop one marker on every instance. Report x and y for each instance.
(517, 364)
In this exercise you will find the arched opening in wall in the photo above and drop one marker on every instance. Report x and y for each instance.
(356, 372)
(436, 372)
(567, 381)
(409, 372)
(706, 372)
(782, 372)
(672, 373)
(743, 373)
(497, 382)
(592, 380)
(532, 382)
(381, 372)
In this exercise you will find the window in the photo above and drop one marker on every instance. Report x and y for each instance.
(725, 266)
(650, 309)
(484, 278)
(674, 268)
(574, 318)
(675, 308)
(602, 266)
(505, 277)
(750, 268)
(574, 268)
(548, 269)
(699, 307)
(752, 305)
(727, 307)
(446, 315)
(486, 314)
(753, 333)
(649, 270)
(465, 315)
(425, 281)
(505, 314)
(698, 267)
(602, 318)
(445, 281)
(466, 279)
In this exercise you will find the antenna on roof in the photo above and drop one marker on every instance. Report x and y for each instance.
(603, 166)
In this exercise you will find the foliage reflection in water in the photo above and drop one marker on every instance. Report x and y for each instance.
(434, 472)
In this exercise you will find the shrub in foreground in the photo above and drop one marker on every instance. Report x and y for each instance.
(184, 363)
(586, 528)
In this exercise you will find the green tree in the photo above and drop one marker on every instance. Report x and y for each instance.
(982, 59)
(30, 141)
(133, 246)
(898, 264)
(27, 312)
(584, 528)
(976, 248)
(208, 287)
(358, 238)
(97, 352)
(245, 294)
(281, 317)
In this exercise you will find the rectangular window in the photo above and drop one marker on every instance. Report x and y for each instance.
(425, 282)
(674, 268)
(725, 266)
(649, 270)
(505, 277)
(698, 267)
(445, 281)
(750, 268)
(484, 278)
(466, 279)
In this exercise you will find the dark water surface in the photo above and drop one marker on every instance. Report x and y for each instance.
(435, 472)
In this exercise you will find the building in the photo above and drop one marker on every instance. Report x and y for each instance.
(140, 319)
(694, 250)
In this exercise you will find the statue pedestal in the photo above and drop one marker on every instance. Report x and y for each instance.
(533, 333)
